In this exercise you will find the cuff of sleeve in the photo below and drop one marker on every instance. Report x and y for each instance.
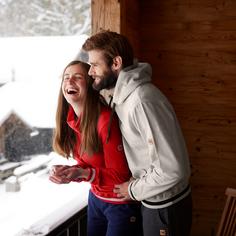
(130, 191)
(91, 175)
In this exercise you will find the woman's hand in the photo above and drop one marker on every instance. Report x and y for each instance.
(57, 176)
(63, 174)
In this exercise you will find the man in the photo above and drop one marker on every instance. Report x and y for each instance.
(152, 138)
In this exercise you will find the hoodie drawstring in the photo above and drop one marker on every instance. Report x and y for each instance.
(110, 120)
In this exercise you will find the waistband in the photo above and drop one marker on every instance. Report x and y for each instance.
(114, 200)
(169, 201)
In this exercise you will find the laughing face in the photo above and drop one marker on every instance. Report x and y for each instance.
(103, 75)
(74, 85)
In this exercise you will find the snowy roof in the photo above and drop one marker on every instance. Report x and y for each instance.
(35, 103)
(32, 66)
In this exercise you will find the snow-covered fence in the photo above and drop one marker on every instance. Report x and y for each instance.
(34, 165)
(7, 169)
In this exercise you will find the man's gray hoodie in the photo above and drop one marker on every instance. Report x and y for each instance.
(152, 138)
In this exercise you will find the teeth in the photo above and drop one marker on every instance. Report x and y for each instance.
(71, 91)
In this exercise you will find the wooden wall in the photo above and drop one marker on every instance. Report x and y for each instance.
(130, 25)
(191, 45)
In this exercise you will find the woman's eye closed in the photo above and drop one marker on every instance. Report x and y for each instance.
(75, 76)
(78, 76)
(65, 77)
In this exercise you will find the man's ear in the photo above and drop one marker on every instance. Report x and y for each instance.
(117, 63)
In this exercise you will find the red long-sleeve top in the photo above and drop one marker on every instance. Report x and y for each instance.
(108, 167)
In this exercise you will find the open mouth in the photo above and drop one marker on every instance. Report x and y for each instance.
(71, 91)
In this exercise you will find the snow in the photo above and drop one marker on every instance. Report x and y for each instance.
(40, 58)
(8, 165)
(30, 71)
(37, 17)
(40, 206)
(32, 67)
(34, 102)
(12, 179)
(33, 164)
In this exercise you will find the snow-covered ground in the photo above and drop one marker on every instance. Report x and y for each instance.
(40, 205)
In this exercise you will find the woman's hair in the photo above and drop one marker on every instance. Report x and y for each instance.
(64, 139)
(111, 44)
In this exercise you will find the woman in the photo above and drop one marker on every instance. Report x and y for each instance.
(87, 130)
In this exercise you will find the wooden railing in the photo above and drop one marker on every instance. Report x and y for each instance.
(75, 226)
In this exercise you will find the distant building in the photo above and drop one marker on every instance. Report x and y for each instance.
(26, 126)
(19, 140)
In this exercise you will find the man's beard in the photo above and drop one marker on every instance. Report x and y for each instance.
(107, 81)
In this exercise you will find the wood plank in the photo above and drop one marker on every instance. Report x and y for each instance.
(187, 11)
(211, 44)
(130, 25)
(105, 15)
(160, 37)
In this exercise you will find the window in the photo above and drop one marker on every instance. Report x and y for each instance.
(38, 38)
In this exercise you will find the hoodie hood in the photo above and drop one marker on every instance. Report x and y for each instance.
(129, 79)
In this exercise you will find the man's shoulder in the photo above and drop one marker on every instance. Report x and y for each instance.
(147, 90)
